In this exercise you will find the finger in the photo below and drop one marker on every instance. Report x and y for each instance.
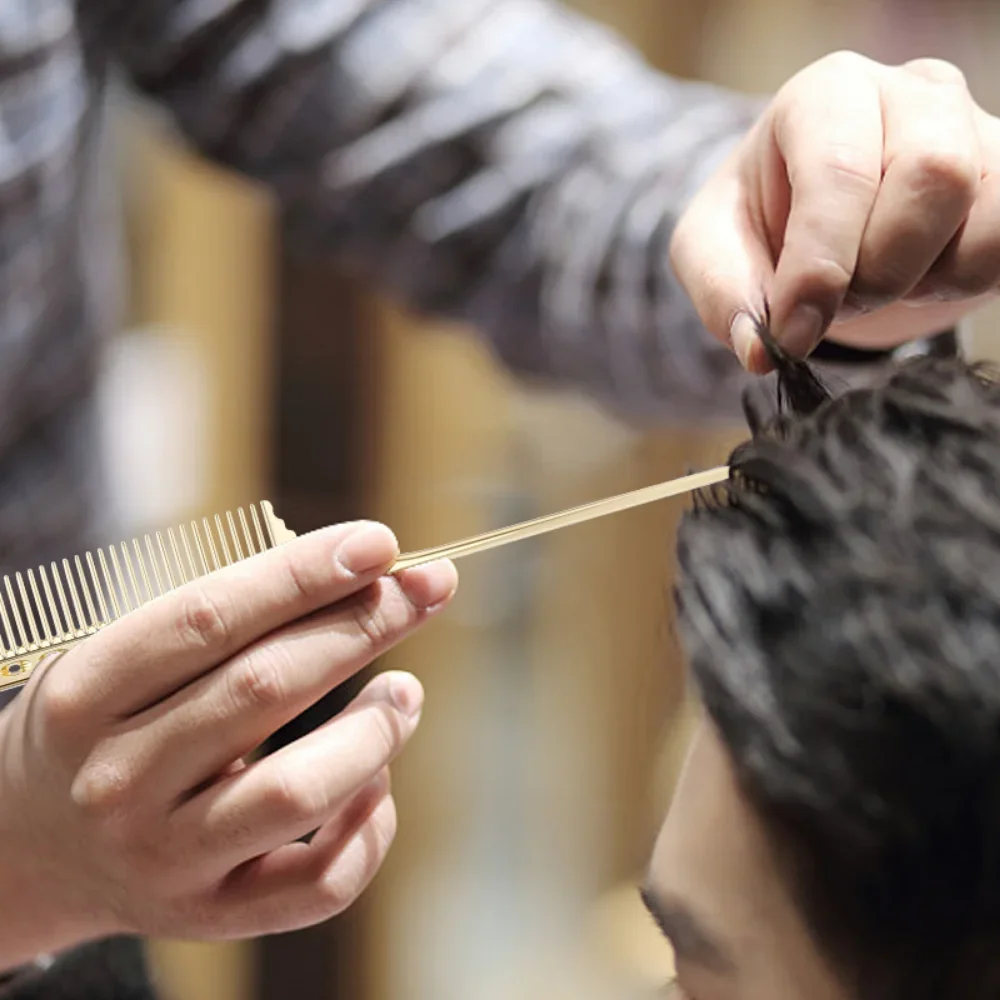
(933, 167)
(302, 786)
(721, 257)
(334, 835)
(159, 648)
(970, 264)
(185, 740)
(899, 323)
(299, 885)
(830, 136)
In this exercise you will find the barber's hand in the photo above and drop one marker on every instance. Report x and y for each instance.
(863, 191)
(125, 801)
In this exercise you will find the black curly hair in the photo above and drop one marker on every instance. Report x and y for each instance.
(839, 601)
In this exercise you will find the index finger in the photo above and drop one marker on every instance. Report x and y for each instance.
(164, 645)
(830, 136)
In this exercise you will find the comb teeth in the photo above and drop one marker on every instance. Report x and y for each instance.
(67, 602)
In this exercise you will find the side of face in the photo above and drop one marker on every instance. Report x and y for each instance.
(715, 889)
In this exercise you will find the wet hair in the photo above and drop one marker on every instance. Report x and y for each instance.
(839, 601)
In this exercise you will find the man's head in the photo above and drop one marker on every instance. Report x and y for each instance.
(836, 833)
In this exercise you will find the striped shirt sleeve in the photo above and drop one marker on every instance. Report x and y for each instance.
(506, 163)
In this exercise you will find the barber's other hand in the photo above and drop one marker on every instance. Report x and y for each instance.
(865, 194)
(126, 800)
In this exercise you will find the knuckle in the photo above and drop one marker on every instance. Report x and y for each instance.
(293, 798)
(953, 285)
(823, 281)
(335, 894)
(370, 619)
(102, 790)
(876, 287)
(871, 295)
(382, 823)
(202, 622)
(940, 171)
(302, 587)
(937, 71)
(822, 74)
(345, 880)
(256, 680)
(843, 62)
(60, 701)
(850, 168)
(381, 735)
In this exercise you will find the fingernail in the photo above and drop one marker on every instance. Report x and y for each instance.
(368, 548)
(428, 587)
(407, 695)
(802, 332)
(743, 335)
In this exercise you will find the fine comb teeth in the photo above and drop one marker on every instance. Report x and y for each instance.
(47, 611)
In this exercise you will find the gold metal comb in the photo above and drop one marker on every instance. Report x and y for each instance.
(47, 612)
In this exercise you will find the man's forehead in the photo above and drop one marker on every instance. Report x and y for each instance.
(707, 859)
(708, 819)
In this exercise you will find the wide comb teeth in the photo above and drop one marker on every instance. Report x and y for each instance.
(48, 609)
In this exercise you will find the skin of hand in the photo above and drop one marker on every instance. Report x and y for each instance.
(863, 204)
(128, 799)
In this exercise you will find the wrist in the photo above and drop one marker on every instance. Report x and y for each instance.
(38, 913)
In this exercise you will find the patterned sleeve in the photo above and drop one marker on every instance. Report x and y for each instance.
(502, 162)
